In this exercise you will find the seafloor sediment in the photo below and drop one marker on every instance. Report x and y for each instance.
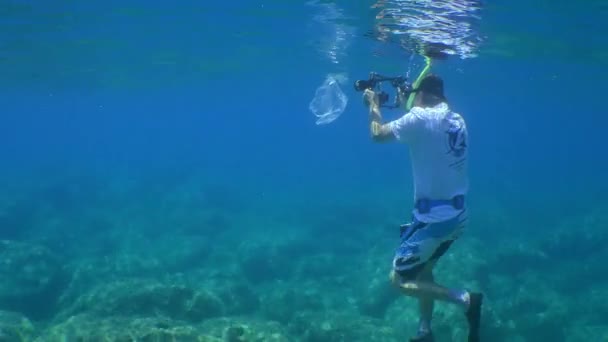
(193, 262)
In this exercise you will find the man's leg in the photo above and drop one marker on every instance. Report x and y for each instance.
(426, 304)
(418, 282)
(424, 288)
(421, 284)
(427, 290)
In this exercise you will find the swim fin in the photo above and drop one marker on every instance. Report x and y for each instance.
(474, 316)
(423, 338)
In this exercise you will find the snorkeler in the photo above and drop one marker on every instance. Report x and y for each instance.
(437, 140)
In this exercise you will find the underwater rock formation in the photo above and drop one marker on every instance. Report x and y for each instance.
(89, 328)
(241, 329)
(282, 304)
(332, 326)
(15, 327)
(31, 275)
(141, 297)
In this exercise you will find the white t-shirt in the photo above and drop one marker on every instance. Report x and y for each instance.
(437, 139)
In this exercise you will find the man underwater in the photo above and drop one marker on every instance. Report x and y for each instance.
(437, 140)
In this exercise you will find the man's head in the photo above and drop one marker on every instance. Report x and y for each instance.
(430, 91)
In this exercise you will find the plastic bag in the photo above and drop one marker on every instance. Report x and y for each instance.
(329, 101)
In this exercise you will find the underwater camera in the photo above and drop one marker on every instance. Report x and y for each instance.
(403, 88)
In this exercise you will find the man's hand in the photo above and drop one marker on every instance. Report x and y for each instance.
(370, 98)
(378, 131)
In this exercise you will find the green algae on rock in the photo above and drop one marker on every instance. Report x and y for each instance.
(341, 326)
(87, 328)
(31, 274)
(241, 329)
(15, 328)
(140, 297)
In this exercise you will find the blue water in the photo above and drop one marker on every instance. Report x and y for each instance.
(128, 114)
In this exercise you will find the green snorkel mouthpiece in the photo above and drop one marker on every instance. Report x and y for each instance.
(423, 73)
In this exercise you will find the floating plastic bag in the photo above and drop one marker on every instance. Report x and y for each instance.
(329, 101)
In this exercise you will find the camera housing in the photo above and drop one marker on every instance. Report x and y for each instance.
(402, 87)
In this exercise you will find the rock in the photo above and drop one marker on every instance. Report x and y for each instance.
(14, 327)
(238, 297)
(122, 329)
(245, 330)
(203, 304)
(281, 304)
(378, 297)
(236, 333)
(321, 265)
(282, 258)
(17, 219)
(31, 275)
(533, 304)
(140, 297)
(170, 255)
(263, 262)
(341, 327)
(585, 333)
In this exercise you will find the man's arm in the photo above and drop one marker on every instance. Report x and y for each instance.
(380, 132)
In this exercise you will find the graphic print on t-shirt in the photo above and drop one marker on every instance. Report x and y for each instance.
(457, 139)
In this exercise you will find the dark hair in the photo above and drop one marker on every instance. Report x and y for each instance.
(431, 87)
